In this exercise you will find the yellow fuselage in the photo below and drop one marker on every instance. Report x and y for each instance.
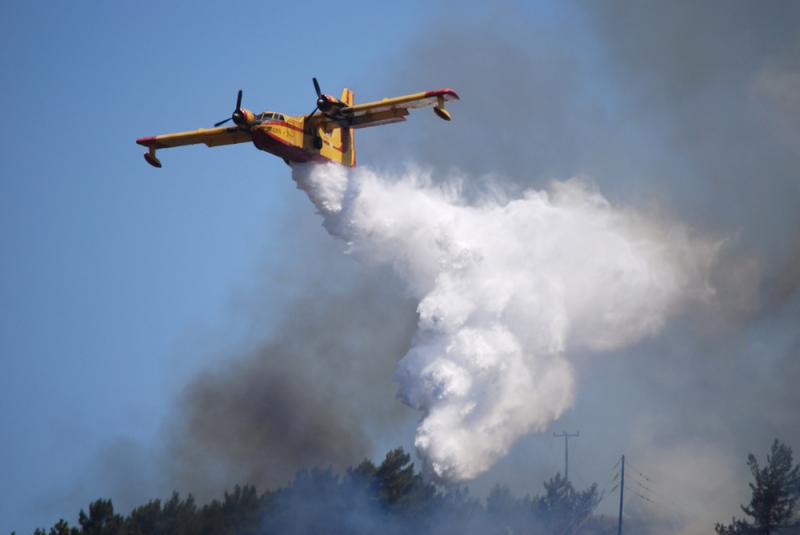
(289, 138)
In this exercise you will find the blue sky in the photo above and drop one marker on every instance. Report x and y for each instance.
(117, 280)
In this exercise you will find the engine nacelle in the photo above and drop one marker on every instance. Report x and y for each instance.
(327, 103)
(243, 117)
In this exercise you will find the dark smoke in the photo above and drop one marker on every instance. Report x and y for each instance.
(316, 392)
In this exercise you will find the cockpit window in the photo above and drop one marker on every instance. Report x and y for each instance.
(269, 116)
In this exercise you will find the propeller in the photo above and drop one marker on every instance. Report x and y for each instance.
(237, 113)
(319, 97)
(323, 103)
(316, 86)
(322, 99)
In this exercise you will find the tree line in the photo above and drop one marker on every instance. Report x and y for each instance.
(394, 498)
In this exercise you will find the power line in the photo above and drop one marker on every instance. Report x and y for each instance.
(659, 497)
(638, 472)
(645, 498)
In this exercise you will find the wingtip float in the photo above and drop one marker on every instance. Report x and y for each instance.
(325, 134)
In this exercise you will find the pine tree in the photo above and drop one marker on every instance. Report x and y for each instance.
(62, 528)
(775, 491)
(562, 509)
(101, 519)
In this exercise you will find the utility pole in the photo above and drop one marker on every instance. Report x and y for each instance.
(621, 490)
(566, 449)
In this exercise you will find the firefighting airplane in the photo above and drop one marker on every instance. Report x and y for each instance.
(326, 134)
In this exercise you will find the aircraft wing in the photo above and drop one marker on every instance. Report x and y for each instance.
(212, 137)
(388, 110)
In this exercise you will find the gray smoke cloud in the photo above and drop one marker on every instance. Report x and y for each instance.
(709, 85)
(317, 392)
(685, 108)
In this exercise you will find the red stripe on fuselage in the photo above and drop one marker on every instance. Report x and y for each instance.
(343, 148)
(273, 144)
